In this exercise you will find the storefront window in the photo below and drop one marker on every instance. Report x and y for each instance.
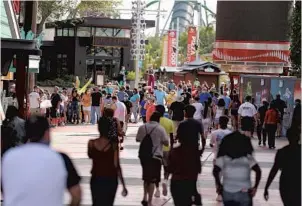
(71, 31)
(105, 32)
(122, 33)
(104, 51)
(65, 32)
(59, 32)
(83, 31)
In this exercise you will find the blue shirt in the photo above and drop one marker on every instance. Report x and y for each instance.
(134, 98)
(121, 96)
(204, 96)
(143, 110)
(227, 101)
(171, 86)
(109, 90)
(160, 96)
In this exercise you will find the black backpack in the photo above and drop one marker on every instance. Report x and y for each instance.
(145, 152)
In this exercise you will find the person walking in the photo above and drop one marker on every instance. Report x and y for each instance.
(121, 94)
(246, 115)
(227, 101)
(260, 123)
(34, 102)
(191, 132)
(177, 111)
(280, 106)
(199, 110)
(288, 161)
(151, 77)
(30, 180)
(218, 112)
(106, 168)
(184, 166)
(128, 105)
(168, 125)
(86, 102)
(96, 103)
(142, 109)
(152, 137)
(120, 113)
(234, 106)
(271, 120)
(75, 107)
(135, 104)
(55, 107)
(150, 108)
(160, 95)
(296, 118)
(234, 163)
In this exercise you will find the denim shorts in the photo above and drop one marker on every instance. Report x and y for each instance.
(237, 199)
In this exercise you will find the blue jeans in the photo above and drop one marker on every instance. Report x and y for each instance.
(236, 199)
(95, 111)
(134, 111)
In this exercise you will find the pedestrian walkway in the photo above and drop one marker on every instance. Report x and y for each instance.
(73, 141)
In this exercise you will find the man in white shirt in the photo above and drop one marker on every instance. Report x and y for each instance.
(199, 108)
(34, 101)
(34, 174)
(247, 113)
(120, 113)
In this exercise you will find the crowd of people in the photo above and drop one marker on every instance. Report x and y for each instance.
(177, 120)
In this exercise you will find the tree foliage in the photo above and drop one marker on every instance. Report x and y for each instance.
(153, 52)
(55, 10)
(52, 10)
(295, 47)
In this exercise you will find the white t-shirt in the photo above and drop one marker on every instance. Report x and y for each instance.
(198, 113)
(120, 111)
(247, 110)
(236, 173)
(33, 174)
(217, 136)
(34, 100)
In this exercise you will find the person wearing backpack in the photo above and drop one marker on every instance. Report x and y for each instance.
(152, 137)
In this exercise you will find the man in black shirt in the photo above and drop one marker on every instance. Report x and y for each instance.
(96, 101)
(177, 110)
(260, 129)
(55, 103)
(296, 119)
(130, 93)
(187, 96)
(190, 131)
(280, 105)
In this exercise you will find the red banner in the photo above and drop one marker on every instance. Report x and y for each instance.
(172, 41)
(191, 44)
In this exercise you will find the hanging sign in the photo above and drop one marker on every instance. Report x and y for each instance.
(191, 53)
(172, 41)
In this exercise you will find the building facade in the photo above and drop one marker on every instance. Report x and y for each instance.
(86, 46)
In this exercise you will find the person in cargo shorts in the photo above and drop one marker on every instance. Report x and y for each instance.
(168, 125)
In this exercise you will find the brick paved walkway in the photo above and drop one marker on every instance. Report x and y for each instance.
(73, 141)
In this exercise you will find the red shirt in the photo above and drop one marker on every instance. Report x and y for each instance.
(271, 117)
(150, 108)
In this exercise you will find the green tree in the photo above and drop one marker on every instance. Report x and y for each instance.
(153, 52)
(52, 10)
(55, 10)
(96, 8)
(295, 47)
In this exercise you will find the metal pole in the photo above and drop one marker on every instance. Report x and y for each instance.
(158, 19)
(138, 21)
(197, 32)
(177, 39)
(162, 32)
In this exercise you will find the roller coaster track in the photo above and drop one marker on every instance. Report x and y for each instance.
(184, 10)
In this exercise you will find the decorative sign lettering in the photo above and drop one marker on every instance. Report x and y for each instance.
(111, 41)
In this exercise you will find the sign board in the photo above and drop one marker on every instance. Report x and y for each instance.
(100, 79)
(111, 41)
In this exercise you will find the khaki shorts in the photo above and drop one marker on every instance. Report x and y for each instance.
(35, 111)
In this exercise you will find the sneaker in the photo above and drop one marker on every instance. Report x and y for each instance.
(219, 198)
(165, 190)
(157, 193)
(259, 143)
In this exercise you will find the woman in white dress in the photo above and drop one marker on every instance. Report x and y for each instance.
(219, 111)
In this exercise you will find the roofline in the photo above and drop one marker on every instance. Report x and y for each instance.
(96, 22)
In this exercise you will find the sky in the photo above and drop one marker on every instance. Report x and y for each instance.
(165, 5)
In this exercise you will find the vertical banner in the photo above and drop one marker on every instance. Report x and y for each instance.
(164, 56)
(191, 44)
(172, 42)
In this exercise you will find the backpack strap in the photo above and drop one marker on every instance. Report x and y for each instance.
(150, 131)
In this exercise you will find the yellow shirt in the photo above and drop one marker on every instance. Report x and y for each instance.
(169, 128)
(170, 99)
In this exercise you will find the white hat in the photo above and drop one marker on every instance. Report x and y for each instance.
(179, 98)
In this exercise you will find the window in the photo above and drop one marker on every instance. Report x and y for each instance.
(83, 31)
(65, 32)
(71, 31)
(104, 32)
(59, 32)
(123, 33)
